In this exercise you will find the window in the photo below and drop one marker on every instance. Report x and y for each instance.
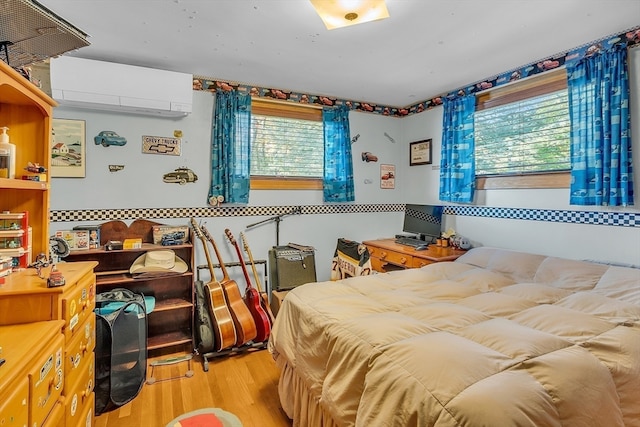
(523, 129)
(287, 146)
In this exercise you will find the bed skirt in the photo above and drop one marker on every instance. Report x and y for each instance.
(298, 402)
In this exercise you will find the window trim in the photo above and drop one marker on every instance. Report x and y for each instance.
(540, 84)
(267, 107)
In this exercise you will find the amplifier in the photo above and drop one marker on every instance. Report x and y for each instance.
(290, 267)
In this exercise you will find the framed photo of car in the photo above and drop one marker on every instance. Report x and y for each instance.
(420, 152)
(68, 148)
(387, 176)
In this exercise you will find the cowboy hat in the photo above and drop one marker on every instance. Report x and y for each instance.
(161, 261)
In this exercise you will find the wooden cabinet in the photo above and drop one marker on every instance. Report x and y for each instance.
(32, 378)
(27, 112)
(25, 300)
(387, 255)
(170, 324)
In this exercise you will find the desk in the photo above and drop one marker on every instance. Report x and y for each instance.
(387, 255)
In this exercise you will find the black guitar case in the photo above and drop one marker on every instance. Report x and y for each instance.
(203, 325)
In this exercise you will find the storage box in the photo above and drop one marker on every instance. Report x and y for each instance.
(94, 234)
(132, 244)
(276, 300)
(168, 235)
(76, 239)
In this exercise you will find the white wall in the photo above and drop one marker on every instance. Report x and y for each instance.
(579, 241)
(140, 185)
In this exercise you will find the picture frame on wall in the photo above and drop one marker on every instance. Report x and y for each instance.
(387, 176)
(420, 152)
(68, 148)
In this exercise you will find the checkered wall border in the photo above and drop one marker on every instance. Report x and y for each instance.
(621, 219)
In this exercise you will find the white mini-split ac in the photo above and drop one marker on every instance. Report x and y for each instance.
(98, 85)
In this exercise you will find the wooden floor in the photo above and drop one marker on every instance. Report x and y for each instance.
(245, 384)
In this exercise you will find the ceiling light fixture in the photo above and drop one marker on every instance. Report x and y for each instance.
(343, 13)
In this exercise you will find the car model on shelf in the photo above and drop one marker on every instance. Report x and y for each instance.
(181, 176)
(109, 137)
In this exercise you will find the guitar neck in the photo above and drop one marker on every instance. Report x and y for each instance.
(206, 234)
(198, 232)
(240, 258)
(256, 276)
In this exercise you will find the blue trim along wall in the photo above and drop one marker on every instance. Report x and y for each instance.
(608, 218)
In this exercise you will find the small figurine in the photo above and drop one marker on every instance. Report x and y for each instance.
(35, 168)
(55, 278)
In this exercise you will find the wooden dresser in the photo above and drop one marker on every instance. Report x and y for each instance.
(31, 378)
(387, 255)
(26, 301)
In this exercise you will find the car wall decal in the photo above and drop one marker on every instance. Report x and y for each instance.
(107, 138)
(180, 176)
(368, 157)
(161, 145)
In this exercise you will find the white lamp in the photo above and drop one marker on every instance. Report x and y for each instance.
(343, 13)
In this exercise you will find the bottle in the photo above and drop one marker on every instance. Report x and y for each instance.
(7, 155)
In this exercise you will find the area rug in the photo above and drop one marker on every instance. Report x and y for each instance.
(209, 417)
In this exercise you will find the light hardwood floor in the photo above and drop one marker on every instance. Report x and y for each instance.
(245, 384)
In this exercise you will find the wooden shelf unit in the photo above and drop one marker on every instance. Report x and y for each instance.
(170, 324)
(28, 112)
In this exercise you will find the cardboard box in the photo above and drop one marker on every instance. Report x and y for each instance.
(76, 239)
(277, 297)
(94, 234)
(169, 235)
(132, 244)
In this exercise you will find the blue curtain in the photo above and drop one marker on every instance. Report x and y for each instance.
(601, 170)
(338, 164)
(457, 165)
(230, 148)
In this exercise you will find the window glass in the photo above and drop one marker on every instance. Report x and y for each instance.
(286, 142)
(524, 128)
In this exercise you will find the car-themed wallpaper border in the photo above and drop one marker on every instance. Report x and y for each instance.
(629, 38)
(606, 218)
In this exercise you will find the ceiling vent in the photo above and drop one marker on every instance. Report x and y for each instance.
(97, 85)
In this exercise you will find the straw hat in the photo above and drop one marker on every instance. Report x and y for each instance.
(161, 261)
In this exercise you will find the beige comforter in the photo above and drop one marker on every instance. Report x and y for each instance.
(496, 338)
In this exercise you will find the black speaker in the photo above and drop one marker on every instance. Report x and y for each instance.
(290, 267)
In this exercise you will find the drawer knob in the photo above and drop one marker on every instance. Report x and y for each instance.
(403, 260)
(383, 255)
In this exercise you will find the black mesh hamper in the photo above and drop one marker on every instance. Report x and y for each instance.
(121, 348)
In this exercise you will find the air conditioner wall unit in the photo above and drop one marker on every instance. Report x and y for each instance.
(99, 85)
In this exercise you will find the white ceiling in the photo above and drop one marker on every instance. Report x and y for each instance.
(426, 48)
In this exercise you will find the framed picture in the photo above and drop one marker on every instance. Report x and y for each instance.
(387, 176)
(420, 152)
(68, 148)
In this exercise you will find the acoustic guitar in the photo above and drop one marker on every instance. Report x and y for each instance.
(242, 318)
(264, 298)
(252, 297)
(224, 329)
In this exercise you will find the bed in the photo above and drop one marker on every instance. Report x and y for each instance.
(496, 338)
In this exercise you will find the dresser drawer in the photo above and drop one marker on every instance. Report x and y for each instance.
(78, 304)
(392, 257)
(420, 262)
(85, 415)
(46, 379)
(79, 394)
(14, 405)
(79, 349)
(56, 417)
